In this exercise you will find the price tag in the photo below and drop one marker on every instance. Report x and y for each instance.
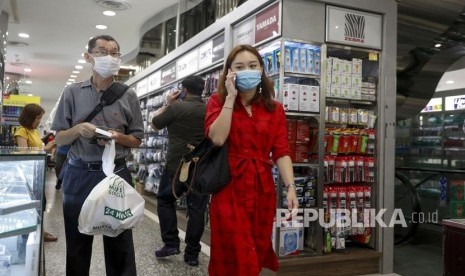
(372, 56)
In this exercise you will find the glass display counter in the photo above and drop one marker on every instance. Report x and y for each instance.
(22, 178)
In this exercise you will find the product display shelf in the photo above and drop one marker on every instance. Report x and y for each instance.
(22, 178)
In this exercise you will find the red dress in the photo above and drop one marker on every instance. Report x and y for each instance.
(241, 215)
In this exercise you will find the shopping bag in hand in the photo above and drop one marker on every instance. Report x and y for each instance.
(113, 205)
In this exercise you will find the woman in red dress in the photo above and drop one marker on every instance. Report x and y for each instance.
(244, 116)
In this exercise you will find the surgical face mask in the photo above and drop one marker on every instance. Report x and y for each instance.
(106, 66)
(248, 79)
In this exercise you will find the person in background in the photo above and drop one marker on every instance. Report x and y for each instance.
(27, 135)
(83, 170)
(185, 122)
(244, 116)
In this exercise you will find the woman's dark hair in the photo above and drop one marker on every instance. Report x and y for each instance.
(29, 114)
(267, 86)
(93, 41)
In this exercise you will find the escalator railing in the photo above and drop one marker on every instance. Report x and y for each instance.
(428, 196)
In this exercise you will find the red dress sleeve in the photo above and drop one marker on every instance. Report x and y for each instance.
(281, 144)
(214, 107)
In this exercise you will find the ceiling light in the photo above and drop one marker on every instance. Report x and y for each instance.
(78, 67)
(109, 13)
(76, 72)
(27, 69)
(73, 76)
(71, 80)
(450, 82)
(23, 35)
(30, 95)
(81, 61)
(437, 45)
(29, 82)
(101, 27)
(68, 83)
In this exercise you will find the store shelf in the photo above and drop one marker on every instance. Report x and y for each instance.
(348, 101)
(301, 75)
(18, 206)
(302, 114)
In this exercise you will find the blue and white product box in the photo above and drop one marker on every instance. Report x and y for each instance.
(277, 58)
(317, 60)
(295, 60)
(310, 62)
(285, 96)
(346, 80)
(288, 59)
(357, 66)
(277, 91)
(269, 68)
(303, 60)
(289, 240)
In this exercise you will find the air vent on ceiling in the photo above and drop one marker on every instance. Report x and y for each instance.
(17, 43)
(115, 5)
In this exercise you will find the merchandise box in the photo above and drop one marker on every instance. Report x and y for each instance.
(32, 254)
(311, 62)
(303, 68)
(347, 67)
(457, 209)
(346, 80)
(346, 92)
(336, 79)
(302, 131)
(291, 129)
(457, 190)
(356, 93)
(317, 60)
(291, 96)
(309, 98)
(277, 60)
(295, 60)
(301, 152)
(269, 66)
(288, 59)
(289, 240)
(357, 66)
(356, 81)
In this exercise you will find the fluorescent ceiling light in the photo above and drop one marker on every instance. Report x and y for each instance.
(81, 61)
(438, 45)
(71, 80)
(109, 13)
(27, 69)
(101, 27)
(23, 35)
(76, 72)
(450, 82)
(78, 67)
(68, 83)
(73, 76)
(29, 82)
(30, 95)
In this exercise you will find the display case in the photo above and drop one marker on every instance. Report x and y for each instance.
(22, 178)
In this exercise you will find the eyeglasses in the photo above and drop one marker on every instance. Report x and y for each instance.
(105, 52)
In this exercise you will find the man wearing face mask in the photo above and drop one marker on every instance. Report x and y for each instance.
(83, 170)
(184, 120)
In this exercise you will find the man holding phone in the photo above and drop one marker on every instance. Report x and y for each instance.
(185, 121)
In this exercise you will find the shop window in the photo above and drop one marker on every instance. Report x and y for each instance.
(170, 35)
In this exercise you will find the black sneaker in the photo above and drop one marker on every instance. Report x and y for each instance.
(166, 251)
(191, 260)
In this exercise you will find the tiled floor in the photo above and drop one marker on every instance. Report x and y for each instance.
(147, 239)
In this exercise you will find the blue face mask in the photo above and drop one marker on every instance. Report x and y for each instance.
(248, 79)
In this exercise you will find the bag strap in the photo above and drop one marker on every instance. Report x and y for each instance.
(176, 176)
(109, 96)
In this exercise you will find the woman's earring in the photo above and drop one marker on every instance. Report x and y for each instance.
(260, 89)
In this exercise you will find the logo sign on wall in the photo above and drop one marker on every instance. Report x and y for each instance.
(259, 27)
(435, 104)
(142, 87)
(205, 54)
(188, 64)
(168, 73)
(218, 48)
(455, 103)
(353, 27)
(154, 81)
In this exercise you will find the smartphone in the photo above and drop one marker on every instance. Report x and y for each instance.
(182, 95)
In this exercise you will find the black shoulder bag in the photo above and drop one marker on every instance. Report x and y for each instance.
(109, 96)
(204, 170)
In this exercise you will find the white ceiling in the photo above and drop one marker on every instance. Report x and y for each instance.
(59, 31)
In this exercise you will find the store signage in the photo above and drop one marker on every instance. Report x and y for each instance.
(435, 104)
(267, 23)
(142, 87)
(154, 81)
(218, 48)
(352, 27)
(455, 103)
(187, 64)
(259, 27)
(244, 33)
(205, 54)
(19, 100)
(168, 73)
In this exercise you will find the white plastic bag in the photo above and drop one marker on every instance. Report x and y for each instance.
(113, 205)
